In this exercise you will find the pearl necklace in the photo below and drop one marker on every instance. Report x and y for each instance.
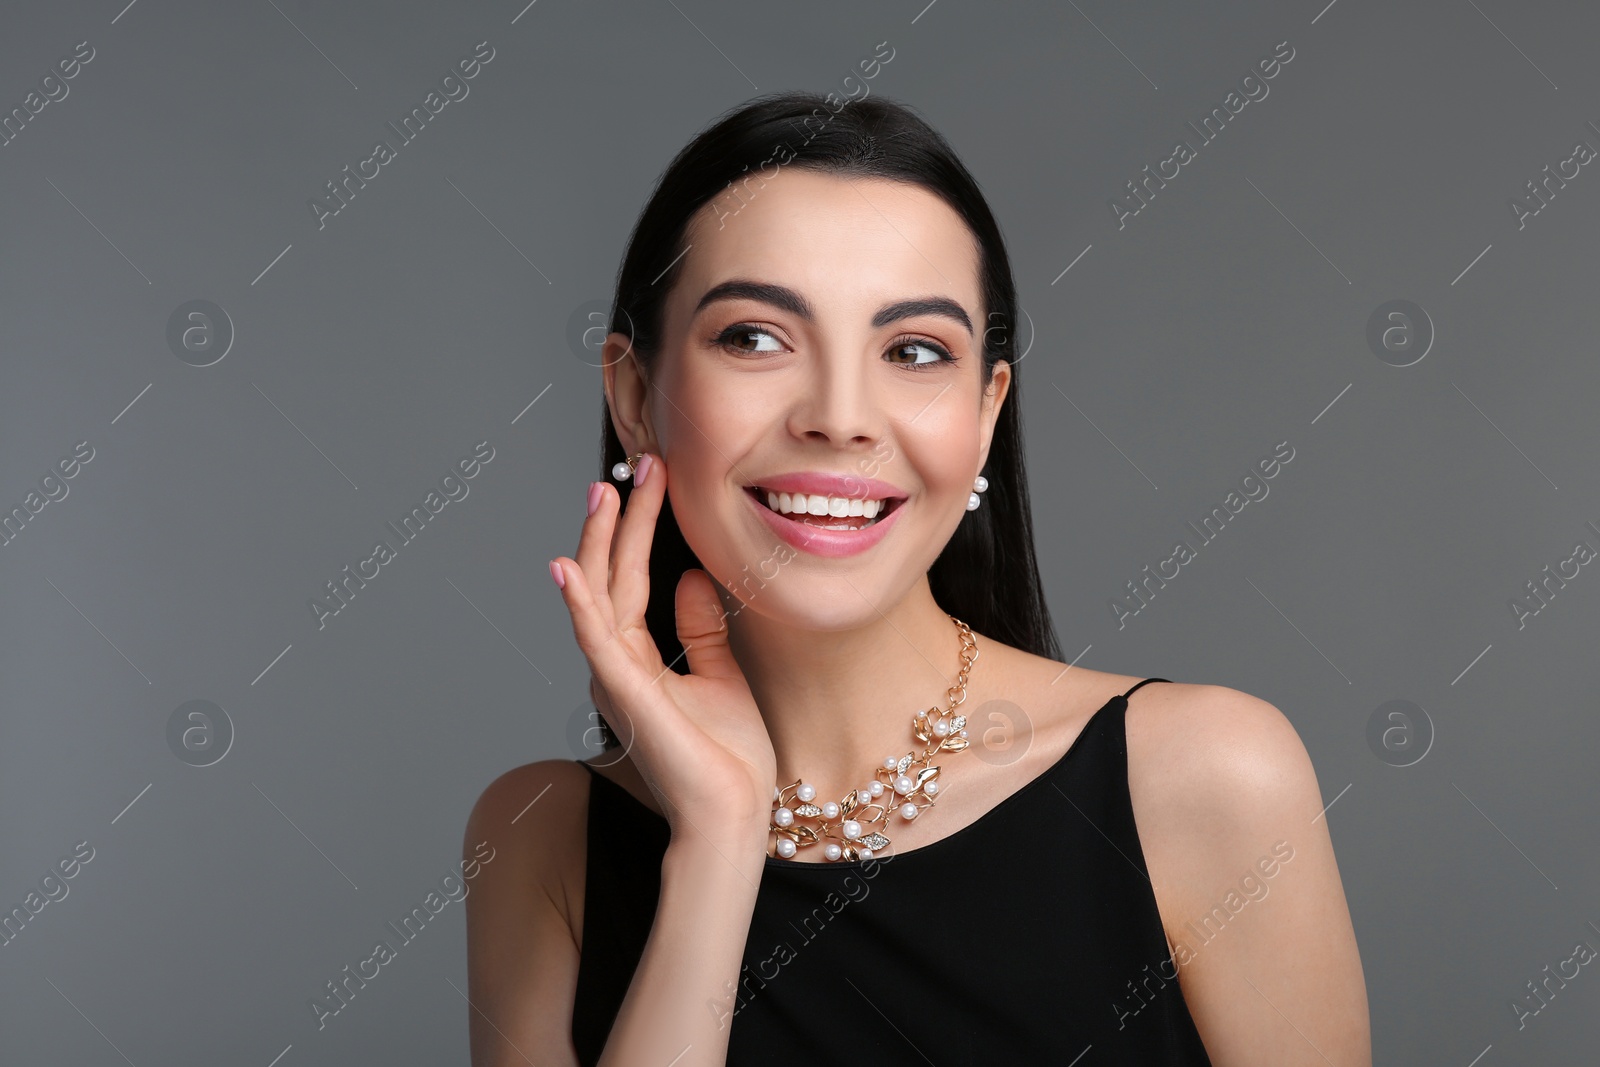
(907, 777)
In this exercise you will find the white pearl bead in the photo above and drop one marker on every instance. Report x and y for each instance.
(973, 501)
(981, 483)
(783, 817)
(904, 784)
(908, 811)
(963, 733)
(830, 809)
(806, 791)
(864, 853)
(890, 764)
(851, 829)
(877, 789)
(941, 728)
(930, 787)
(777, 794)
(832, 851)
(864, 792)
(621, 472)
(786, 848)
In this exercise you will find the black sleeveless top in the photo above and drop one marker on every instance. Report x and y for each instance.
(1030, 935)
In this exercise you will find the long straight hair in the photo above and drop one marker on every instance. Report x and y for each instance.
(987, 575)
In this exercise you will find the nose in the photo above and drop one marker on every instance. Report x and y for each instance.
(837, 405)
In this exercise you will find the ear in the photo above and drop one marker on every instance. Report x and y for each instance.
(628, 395)
(993, 399)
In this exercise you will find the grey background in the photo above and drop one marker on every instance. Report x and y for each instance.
(1229, 315)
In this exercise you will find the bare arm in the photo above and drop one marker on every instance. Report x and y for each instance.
(522, 953)
(522, 958)
(680, 1004)
(1241, 860)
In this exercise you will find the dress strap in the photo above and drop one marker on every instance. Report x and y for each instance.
(1147, 681)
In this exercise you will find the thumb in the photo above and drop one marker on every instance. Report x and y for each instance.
(702, 627)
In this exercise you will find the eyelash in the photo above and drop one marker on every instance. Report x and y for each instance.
(725, 338)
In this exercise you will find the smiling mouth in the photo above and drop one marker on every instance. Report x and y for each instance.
(802, 509)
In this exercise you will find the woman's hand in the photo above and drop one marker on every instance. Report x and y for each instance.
(698, 740)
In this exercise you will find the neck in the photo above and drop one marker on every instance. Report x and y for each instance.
(837, 702)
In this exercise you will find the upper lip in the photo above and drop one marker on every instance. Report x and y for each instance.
(822, 483)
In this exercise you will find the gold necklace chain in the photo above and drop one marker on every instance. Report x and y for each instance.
(798, 821)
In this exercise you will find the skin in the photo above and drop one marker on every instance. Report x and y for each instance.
(837, 653)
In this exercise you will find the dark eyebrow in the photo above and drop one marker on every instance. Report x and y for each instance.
(930, 305)
(786, 299)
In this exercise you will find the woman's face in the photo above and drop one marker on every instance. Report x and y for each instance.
(823, 339)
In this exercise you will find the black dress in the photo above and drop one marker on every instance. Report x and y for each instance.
(1028, 936)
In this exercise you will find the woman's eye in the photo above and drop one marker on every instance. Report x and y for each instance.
(734, 337)
(938, 353)
(744, 337)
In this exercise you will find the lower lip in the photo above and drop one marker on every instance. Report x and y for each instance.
(820, 542)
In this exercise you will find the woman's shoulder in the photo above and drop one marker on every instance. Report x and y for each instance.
(1192, 736)
(1230, 815)
(1186, 741)
(536, 814)
(1211, 742)
(1217, 778)
(542, 793)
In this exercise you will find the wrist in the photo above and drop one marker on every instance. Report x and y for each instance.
(736, 851)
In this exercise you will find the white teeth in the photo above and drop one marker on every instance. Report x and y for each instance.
(834, 506)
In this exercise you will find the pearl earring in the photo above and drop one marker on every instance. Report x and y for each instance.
(623, 471)
(980, 484)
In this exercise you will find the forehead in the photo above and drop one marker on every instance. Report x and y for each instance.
(846, 243)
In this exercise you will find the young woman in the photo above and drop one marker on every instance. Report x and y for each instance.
(854, 809)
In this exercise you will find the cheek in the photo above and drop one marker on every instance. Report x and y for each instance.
(704, 400)
(707, 425)
(942, 445)
(709, 422)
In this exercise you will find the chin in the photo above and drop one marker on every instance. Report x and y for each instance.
(808, 607)
(812, 594)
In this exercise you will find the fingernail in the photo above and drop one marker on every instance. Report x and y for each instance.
(644, 469)
(594, 496)
(555, 572)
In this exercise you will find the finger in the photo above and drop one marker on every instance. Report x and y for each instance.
(594, 549)
(703, 627)
(629, 588)
(609, 656)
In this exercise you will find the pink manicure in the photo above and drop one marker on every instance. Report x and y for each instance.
(594, 496)
(644, 469)
(555, 572)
